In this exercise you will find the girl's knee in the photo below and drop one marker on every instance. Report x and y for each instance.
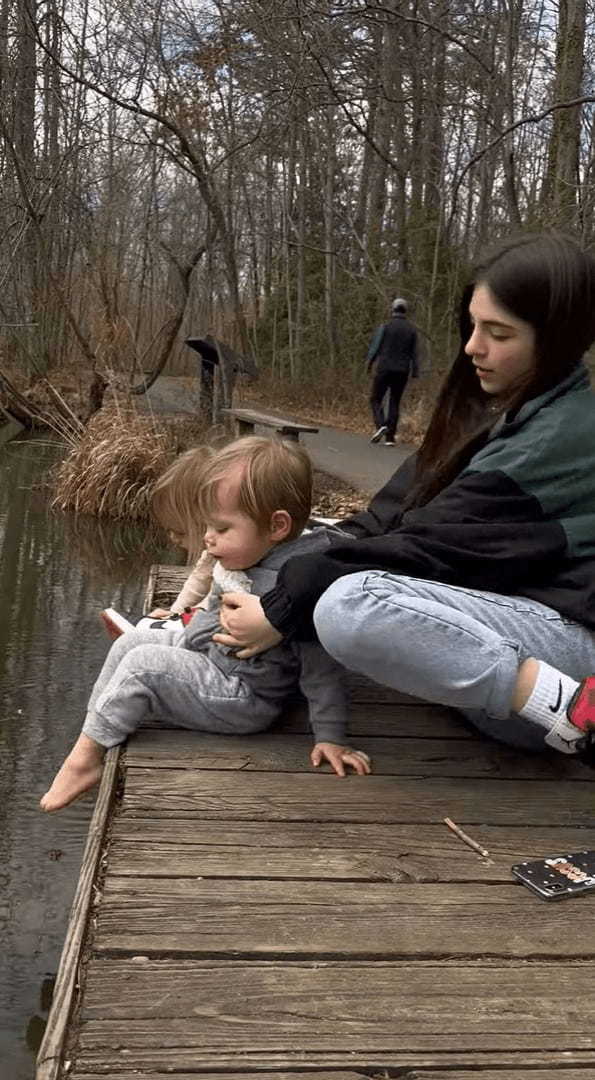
(366, 618)
(347, 599)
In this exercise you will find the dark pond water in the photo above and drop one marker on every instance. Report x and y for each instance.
(55, 576)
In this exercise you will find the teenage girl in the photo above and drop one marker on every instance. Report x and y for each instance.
(470, 579)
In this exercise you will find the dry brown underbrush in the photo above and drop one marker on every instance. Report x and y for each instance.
(112, 468)
(334, 498)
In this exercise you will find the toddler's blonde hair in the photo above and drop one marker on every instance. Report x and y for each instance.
(276, 474)
(176, 494)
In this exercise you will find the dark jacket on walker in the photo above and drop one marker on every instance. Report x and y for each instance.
(394, 347)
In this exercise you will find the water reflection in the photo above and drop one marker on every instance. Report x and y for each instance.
(102, 547)
(55, 575)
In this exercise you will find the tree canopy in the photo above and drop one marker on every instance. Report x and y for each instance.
(274, 171)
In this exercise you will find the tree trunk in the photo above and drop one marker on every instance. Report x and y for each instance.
(560, 186)
(300, 285)
(329, 237)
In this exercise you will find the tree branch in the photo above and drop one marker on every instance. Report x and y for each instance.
(534, 118)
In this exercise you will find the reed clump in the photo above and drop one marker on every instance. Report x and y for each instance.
(111, 470)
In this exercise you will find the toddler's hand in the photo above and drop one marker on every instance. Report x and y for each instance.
(339, 756)
(160, 613)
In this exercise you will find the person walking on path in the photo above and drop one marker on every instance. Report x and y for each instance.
(470, 579)
(393, 350)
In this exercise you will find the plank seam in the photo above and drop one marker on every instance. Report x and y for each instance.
(339, 958)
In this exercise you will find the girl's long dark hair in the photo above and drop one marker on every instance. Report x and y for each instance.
(548, 281)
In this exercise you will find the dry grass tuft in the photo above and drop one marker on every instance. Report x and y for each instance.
(111, 470)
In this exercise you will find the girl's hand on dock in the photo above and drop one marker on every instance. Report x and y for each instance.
(246, 625)
(339, 757)
(160, 613)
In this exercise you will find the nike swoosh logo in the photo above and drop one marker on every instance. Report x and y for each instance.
(554, 708)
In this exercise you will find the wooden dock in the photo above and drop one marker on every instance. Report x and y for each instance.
(249, 917)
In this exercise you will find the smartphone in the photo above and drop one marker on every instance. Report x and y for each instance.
(558, 877)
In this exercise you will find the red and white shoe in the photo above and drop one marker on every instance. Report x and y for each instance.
(581, 713)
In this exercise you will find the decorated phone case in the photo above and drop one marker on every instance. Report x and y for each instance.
(558, 876)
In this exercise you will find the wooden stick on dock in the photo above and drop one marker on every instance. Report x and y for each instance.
(466, 839)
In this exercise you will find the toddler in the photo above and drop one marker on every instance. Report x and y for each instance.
(175, 506)
(255, 497)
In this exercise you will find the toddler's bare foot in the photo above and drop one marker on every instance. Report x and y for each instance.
(80, 771)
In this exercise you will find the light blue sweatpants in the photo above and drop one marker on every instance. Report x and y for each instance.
(450, 645)
(141, 680)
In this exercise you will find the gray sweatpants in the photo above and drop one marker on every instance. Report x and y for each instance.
(450, 645)
(142, 680)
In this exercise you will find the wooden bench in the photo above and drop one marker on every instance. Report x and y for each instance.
(246, 420)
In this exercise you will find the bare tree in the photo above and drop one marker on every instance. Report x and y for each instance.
(272, 172)
(561, 181)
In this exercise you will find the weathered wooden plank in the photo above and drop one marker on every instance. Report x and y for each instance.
(387, 719)
(154, 847)
(196, 1015)
(208, 917)
(490, 1074)
(323, 797)
(362, 689)
(310, 1075)
(472, 1063)
(150, 587)
(275, 752)
(169, 860)
(469, 1073)
(52, 1046)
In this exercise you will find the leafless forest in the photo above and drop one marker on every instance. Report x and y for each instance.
(273, 172)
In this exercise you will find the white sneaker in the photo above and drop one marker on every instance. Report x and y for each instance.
(376, 437)
(389, 442)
